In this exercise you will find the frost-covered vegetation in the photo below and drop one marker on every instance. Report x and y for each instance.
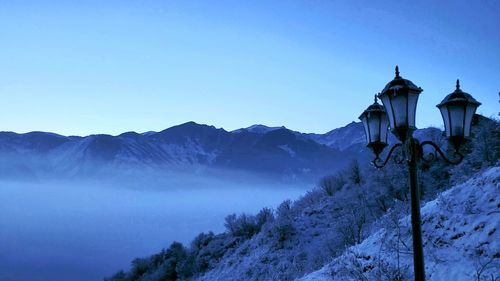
(460, 232)
(300, 237)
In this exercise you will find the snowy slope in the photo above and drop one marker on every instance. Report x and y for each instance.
(342, 138)
(461, 234)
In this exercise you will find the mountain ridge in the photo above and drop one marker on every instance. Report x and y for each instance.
(275, 152)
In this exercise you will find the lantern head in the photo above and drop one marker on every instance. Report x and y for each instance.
(457, 110)
(400, 98)
(375, 124)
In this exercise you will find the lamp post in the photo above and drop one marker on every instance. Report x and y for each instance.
(399, 98)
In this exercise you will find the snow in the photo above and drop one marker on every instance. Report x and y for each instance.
(461, 234)
(287, 149)
(342, 138)
(258, 129)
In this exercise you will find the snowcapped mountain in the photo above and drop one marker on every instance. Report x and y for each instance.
(460, 234)
(270, 151)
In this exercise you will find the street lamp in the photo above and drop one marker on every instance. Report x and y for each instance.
(375, 123)
(457, 110)
(399, 98)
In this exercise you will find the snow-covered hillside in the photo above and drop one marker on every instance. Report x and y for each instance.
(461, 234)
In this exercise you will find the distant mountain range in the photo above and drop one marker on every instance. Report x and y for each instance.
(265, 151)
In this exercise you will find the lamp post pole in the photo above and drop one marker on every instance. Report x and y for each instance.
(418, 252)
(399, 98)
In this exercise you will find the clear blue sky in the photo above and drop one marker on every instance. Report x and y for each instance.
(83, 67)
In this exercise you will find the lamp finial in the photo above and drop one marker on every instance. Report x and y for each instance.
(458, 84)
(375, 99)
(397, 71)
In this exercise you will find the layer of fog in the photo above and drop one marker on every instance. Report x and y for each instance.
(85, 230)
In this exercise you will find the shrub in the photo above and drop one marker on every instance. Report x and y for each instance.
(264, 216)
(244, 225)
(354, 173)
(284, 210)
(332, 184)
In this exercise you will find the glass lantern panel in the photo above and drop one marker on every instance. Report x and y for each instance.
(469, 113)
(388, 108)
(383, 128)
(364, 120)
(412, 108)
(374, 125)
(399, 104)
(457, 114)
(446, 120)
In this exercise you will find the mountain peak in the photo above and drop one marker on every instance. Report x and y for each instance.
(190, 127)
(258, 129)
(193, 124)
